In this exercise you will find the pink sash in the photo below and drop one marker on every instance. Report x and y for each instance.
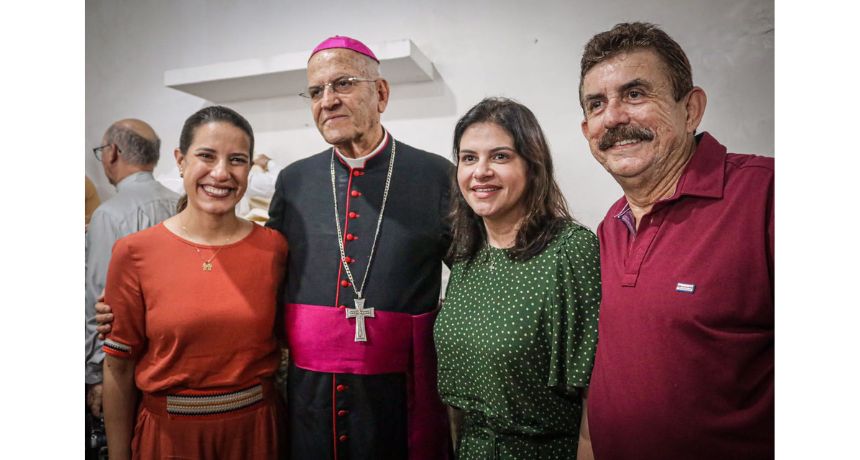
(322, 339)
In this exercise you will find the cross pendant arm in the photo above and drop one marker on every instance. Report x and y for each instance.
(359, 313)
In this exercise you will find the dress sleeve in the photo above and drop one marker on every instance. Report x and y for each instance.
(572, 324)
(127, 338)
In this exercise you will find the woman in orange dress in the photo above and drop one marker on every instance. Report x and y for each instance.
(194, 301)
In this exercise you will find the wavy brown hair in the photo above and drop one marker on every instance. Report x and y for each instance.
(546, 208)
(633, 36)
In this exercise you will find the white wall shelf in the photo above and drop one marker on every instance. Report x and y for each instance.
(285, 74)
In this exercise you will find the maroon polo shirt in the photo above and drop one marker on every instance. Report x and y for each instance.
(684, 366)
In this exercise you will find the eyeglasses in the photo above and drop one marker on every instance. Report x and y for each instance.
(342, 85)
(97, 151)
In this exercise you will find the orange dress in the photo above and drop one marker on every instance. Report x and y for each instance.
(198, 336)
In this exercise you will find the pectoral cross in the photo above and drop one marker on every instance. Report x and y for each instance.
(359, 313)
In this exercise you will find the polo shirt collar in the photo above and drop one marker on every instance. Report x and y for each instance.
(704, 175)
(626, 217)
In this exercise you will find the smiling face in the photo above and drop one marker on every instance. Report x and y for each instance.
(491, 174)
(348, 121)
(633, 124)
(215, 167)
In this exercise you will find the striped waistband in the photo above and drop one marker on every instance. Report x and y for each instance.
(207, 404)
(214, 404)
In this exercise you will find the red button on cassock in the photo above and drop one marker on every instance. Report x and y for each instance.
(341, 306)
(350, 237)
(355, 193)
(342, 438)
(356, 173)
(353, 215)
(349, 260)
(342, 413)
(340, 388)
(344, 283)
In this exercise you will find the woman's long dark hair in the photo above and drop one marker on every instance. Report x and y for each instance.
(214, 113)
(546, 208)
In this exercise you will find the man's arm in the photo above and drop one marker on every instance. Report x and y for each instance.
(101, 235)
(584, 452)
(94, 399)
(104, 317)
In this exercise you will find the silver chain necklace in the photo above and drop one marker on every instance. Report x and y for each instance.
(359, 312)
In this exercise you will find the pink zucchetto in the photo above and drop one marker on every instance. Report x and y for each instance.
(339, 41)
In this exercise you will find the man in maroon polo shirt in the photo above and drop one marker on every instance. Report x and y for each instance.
(684, 365)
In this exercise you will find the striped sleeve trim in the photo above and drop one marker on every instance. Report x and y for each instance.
(117, 349)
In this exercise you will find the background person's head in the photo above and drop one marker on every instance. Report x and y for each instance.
(348, 95)
(128, 146)
(215, 153)
(515, 183)
(641, 108)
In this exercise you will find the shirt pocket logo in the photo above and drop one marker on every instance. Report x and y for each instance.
(688, 288)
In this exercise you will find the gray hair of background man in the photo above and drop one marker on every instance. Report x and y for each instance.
(635, 36)
(134, 148)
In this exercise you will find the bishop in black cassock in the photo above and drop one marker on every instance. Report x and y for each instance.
(372, 399)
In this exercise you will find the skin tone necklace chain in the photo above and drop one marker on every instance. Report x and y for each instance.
(207, 263)
(359, 312)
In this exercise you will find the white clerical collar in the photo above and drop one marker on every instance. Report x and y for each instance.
(358, 163)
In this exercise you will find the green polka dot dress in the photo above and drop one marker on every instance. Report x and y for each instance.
(516, 343)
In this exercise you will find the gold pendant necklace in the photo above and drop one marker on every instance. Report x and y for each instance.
(207, 263)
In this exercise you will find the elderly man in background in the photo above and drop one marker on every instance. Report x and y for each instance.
(684, 366)
(365, 222)
(129, 153)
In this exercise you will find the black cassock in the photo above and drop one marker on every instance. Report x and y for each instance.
(374, 399)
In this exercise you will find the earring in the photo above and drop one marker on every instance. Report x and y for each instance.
(180, 173)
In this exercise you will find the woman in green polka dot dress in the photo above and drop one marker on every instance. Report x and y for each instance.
(517, 334)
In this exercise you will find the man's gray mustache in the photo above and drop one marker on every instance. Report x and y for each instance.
(622, 133)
